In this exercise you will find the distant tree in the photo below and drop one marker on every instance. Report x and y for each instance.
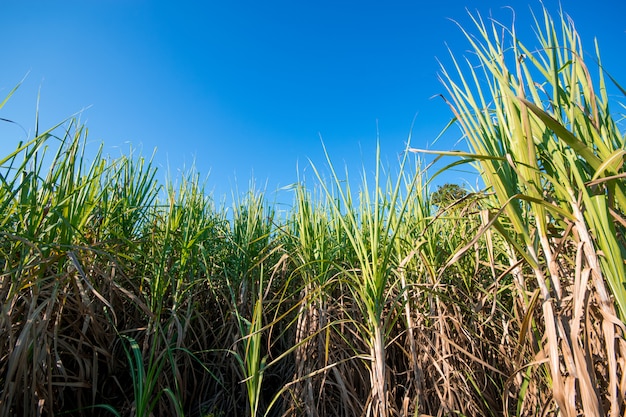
(447, 194)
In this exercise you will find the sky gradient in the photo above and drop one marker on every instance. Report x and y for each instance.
(249, 89)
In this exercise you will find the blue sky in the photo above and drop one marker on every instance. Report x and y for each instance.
(245, 89)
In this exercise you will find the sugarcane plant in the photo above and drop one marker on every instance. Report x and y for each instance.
(540, 131)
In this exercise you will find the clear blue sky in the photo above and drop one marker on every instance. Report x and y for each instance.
(246, 88)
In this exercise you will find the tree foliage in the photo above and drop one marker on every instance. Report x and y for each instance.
(447, 194)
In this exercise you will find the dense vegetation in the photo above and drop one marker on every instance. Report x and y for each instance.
(120, 297)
